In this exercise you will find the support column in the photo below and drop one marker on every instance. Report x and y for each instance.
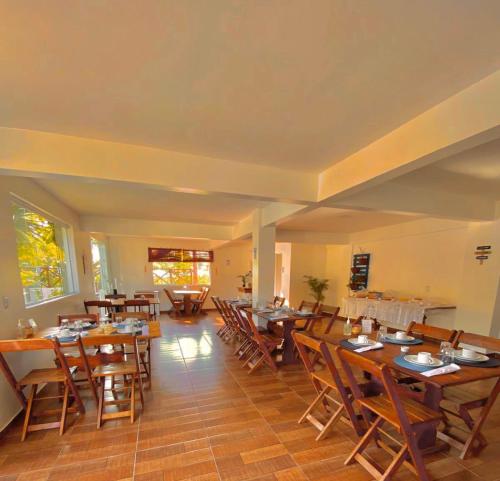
(263, 259)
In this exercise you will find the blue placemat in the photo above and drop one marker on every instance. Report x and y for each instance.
(492, 362)
(402, 342)
(400, 361)
(62, 339)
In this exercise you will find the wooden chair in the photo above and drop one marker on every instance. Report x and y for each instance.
(225, 327)
(247, 346)
(92, 318)
(430, 333)
(129, 369)
(143, 344)
(312, 307)
(265, 344)
(459, 402)
(177, 305)
(147, 295)
(277, 302)
(39, 377)
(330, 313)
(198, 303)
(106, 305)
(325, 381)
(407, 416)
(137, 305)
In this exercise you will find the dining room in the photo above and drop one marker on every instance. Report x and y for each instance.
(249, 241)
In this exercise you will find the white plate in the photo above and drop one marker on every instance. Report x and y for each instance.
(393, 337)
(354, 341)
(477, 358)
(413, 359)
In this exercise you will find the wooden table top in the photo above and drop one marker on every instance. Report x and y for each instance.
(180, 291)
(290, 316)
(151, 330)
(386, 355)
(121, 301)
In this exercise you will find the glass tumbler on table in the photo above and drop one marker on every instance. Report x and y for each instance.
(446, 352)
(381, 333)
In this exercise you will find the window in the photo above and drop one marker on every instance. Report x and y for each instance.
(44, 257)
(181, 273)
(99, 267)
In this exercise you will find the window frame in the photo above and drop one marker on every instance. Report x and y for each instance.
(182, 283)
(68, 246)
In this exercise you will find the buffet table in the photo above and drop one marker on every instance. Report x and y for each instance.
(395, 312)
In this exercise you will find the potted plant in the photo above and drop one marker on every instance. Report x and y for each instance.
(245, 278)
(317, 286)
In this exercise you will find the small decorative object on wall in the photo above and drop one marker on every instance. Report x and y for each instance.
(317, 286)
(482, 253)
(359, 272)
(246, 279)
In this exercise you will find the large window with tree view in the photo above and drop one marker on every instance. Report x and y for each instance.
(43, 253)
(181, 273)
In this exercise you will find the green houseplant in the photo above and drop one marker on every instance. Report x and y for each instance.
(317, 287)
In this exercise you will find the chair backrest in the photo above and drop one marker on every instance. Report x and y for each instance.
(99, 304)
(278, 301)
(329, 313)
(144, 295)
(431, 333)
(143, 315)
(136, 303)
(488, 343)
(114, 339)
(78, 317)
(230, 316)
(204, 293)
(382, 373)
(240, 320)
(115, 296)
(308, 305)
(252, 328)
(170, 296)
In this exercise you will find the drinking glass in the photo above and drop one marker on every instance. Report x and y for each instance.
(381, 333)
(446, 352)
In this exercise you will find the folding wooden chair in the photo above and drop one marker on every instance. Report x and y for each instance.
(147, 295)
(407, 416)
(325, 381)
(115, 296)
(430, 333)
(225, 327)
(198, 303)
(177, 305)
(92, 318)
(277, 302)
(144, 345)
(328, 314)
(106, 305)
(265, 343)
(128, 368)
(247, 346)
(37, 377)
(459, 402)
(137, 305)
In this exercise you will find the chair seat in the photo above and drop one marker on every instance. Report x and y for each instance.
(115, 369)
(40, 376)
(417, 413)
(270, 340)
(76, 352)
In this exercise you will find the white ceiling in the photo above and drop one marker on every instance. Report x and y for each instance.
(474, 172)
(298, 84)
(133, 202)
(333, 220)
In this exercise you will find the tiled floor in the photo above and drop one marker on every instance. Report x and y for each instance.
(206, 419)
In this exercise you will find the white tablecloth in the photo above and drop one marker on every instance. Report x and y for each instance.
(395, 313)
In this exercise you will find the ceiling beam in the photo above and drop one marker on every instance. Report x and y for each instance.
(40, 154)
(308, 237)
(463, 121)
(396, 198)
(115, 226)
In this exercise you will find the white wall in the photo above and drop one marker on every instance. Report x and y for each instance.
(128, 258)
(10, 283)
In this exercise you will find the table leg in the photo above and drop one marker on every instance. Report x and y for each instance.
(188, 306)
(288, 356)
(432, 399)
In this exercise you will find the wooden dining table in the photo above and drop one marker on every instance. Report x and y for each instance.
(288, 322)
(186, 294)
(150, 330)
(434, 386)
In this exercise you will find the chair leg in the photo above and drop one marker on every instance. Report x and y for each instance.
(29, 408)
(416, 457)
(100, 408)
(364, 441)
(64, 411)
(132, 400)
(316, 401)
(141, 389)
(331, 422)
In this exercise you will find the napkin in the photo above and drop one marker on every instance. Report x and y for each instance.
(377, 345)
(441, 370)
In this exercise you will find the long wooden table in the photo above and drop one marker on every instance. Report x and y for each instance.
(288, 356)
(434, 386)
(150, 330)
